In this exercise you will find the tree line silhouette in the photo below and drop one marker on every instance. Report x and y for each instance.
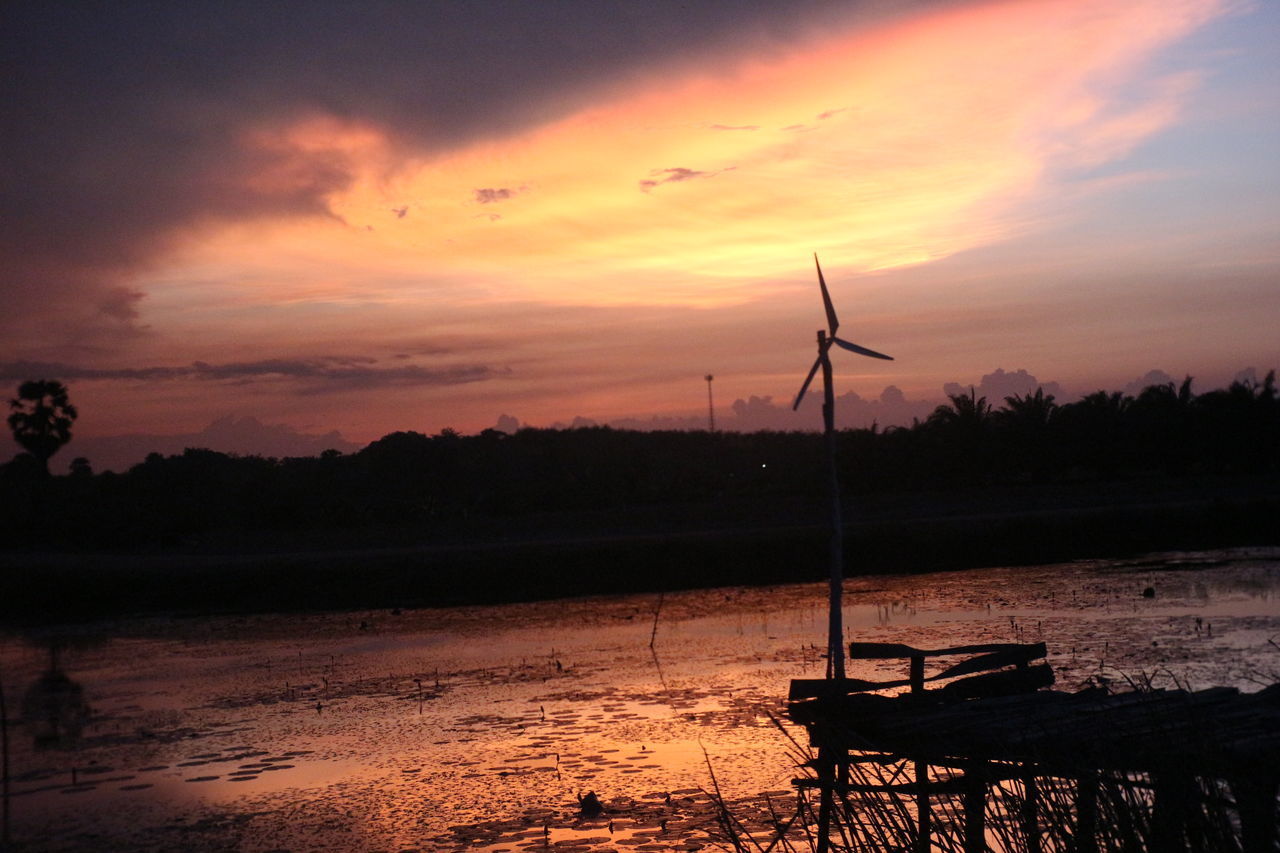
(411, 487)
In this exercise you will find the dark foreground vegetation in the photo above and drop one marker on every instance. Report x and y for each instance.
(419, 520)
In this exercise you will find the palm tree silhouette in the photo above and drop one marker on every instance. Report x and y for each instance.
(961, 433)
(1030, 412)
(968, 412)
(41, 417)
(1027, 421)
(1097, 432)
(1164, 425)
(1109, 407)
(1168, 397)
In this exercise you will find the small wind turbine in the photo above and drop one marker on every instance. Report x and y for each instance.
(827, 337)
(711, 406)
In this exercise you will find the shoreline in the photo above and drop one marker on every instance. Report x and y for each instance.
(51, 587)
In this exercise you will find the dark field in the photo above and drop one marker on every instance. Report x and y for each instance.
(640, 549)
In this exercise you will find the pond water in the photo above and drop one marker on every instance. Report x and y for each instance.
(478, 728)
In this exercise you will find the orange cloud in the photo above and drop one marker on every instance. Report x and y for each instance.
(878, 148)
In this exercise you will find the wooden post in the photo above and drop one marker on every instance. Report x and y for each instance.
(826, 796)
(923, 828)
(1030, 808)
(1087, 813)
(4, 768)
(1169, 811)
(975, 808)
(924, 821)
(1256, 804)
(917, 674)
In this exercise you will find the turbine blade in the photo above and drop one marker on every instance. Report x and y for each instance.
(833, 322)
(861, 350)
(805, 387)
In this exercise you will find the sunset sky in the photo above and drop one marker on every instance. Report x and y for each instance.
(371, 217)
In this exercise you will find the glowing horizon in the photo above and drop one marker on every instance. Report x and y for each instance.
(961, 169)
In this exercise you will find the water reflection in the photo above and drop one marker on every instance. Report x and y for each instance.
(477, 727)
(54, 707)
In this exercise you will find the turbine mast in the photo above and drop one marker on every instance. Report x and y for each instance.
(835, 609)
(711, 408)
(827, 338)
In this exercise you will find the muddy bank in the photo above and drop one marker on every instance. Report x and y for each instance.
(585, 557)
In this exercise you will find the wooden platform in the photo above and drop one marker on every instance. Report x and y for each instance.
(989, 721)
(1220, 731)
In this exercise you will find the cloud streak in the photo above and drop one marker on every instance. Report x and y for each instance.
(318, 375)
(672, 176)
(489, 195)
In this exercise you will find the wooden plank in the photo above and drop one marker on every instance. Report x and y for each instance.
(999, 683)
(811, 688)
(1015, 656)
(955, 785)
(889, 651)
(1006, 654)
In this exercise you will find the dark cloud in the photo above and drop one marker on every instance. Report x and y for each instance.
(829, 113)
(757, 413)
(679, 173)
(120, 303)
(735, 127)
(891, 408)
(489, 195)
(670, 176)
(1151, 377)
(124, 124)
(507, 424)
(997, 385)
(316, 375)
(1248, 376)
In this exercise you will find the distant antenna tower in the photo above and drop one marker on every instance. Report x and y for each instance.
(827, 337)
(711, 407)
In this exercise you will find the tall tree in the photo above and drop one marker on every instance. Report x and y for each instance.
(41, 417)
